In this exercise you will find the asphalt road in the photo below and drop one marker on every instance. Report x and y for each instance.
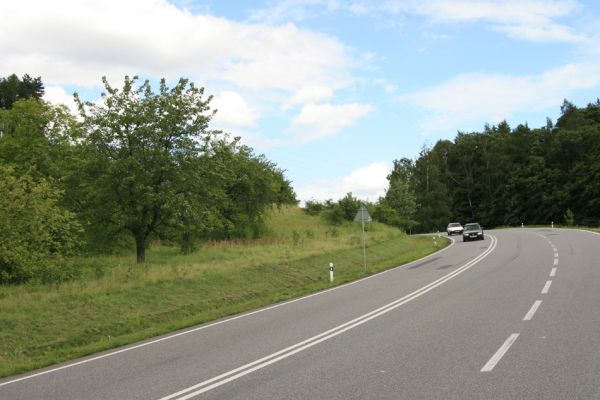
(516, 316)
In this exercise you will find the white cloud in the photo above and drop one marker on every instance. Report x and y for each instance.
(533, 20)
(233, 111)
(76, 42)
(478, 98)
(317, 121)
(366, 183)
(307, 95)
(523, 19)
(57, 95)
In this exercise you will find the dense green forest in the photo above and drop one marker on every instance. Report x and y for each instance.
(498, 177)
(134, 167)
(507, 176)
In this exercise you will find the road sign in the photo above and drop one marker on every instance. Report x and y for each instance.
(362, 215)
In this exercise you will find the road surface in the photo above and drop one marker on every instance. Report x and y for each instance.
(515, 316)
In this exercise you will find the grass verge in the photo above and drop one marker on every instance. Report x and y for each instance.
(119, 302)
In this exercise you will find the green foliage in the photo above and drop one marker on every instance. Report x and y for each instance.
(334, 215)
(151, 167)
(34, 138)
(505, 176)
(36, 232)
(349, 206)
(313, 207)
(246, 188)
(12, 89)
(569, 217)
(398, 206)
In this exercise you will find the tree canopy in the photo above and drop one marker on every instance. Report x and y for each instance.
(138, 165)
(508, 176)
(12, 89)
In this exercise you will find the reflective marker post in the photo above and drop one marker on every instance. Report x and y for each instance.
(330, 272)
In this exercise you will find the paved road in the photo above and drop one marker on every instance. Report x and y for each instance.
(516, 316)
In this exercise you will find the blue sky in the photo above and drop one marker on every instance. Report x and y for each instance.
(332, 91)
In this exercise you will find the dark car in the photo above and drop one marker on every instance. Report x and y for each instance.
(472, 231)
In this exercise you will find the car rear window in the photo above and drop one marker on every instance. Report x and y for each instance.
(472, 227)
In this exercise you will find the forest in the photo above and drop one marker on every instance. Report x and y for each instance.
(135, 167)
(499, 177)
(506, 176)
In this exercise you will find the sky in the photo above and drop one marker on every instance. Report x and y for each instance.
(331, 91)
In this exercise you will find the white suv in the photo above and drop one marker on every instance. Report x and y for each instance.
(454, 228)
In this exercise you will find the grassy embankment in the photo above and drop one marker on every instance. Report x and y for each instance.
(118, 302)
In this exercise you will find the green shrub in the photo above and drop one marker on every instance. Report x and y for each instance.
(313, 207)
(36, 232)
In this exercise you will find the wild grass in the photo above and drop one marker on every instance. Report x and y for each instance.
(117, 301)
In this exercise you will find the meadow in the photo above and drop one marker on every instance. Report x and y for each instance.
(115, 301)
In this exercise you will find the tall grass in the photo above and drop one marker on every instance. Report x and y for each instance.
(117, 301)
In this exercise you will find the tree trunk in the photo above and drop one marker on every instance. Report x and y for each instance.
(140, 247)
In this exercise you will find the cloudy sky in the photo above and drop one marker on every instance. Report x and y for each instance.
(332, 91)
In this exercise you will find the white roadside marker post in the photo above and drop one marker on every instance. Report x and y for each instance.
(552, 223)
(330, 272)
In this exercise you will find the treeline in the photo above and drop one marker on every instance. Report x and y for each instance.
(506, 177)
(136, 166)
(498, 177)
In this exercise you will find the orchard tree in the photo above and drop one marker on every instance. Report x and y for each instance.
(141, 149)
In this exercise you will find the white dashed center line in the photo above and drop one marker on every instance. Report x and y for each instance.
(532, 310)
(500, 353)
(546, 287)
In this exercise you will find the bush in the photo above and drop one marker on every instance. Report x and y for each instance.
(313, 207)
(334, 215)
(569, 217)
(36, 232)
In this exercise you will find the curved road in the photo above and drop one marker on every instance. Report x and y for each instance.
(516, 316)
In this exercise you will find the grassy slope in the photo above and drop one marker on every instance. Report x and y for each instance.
(119, 302)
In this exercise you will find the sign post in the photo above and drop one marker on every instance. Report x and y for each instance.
(363, 215)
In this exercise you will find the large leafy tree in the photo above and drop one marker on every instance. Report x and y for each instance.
(399, 204)
(433, 210)
(12, 89)
(141, 150)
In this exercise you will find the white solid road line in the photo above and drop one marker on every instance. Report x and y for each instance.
(553, 272)
(532, 310)
(239, 372)
(546, 287)
(500, 353)
(202, 327)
